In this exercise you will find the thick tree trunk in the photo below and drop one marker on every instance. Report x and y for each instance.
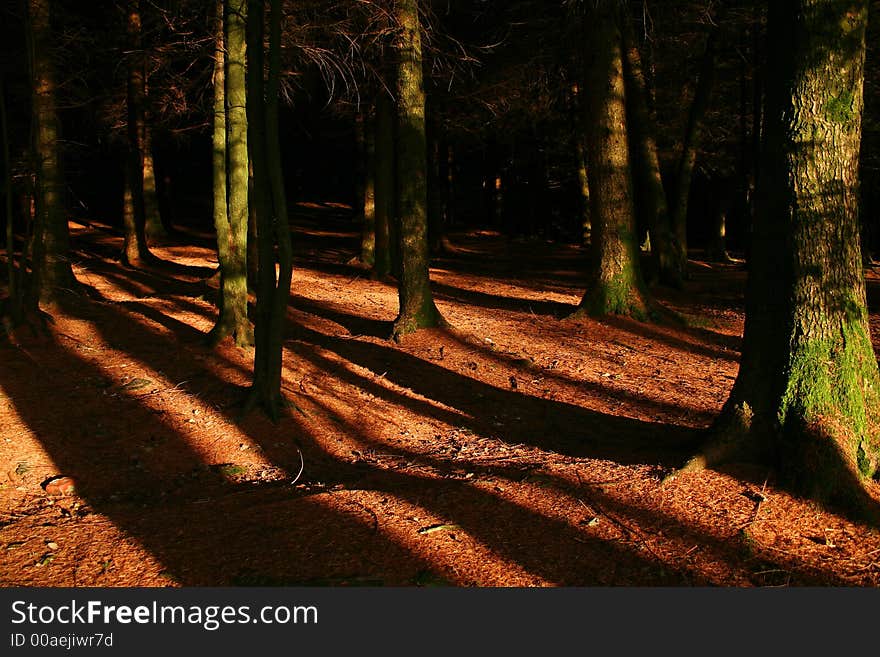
(615, 285)
(417, 309)
(232, 229)
(52, 273)
(666, 252)
(384, 190)
(807, 390)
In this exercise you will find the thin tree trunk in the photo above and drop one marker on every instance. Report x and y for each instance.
(253, 249)
(52, 273)
(666, 255)
(135, 251)
(14, 298)
(384, 180)
(576, 116)
(807, 390)
(368, 232)
(360, 164)
(716, 250)
(273, 293)
(154, 226)
(688, 156)
(232, 237)
(417, 309)
(218, 160)
(615, 283)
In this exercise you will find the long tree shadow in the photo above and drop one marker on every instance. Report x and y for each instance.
(154, 489)
(360, 326)
(498, 302)
(140, 491)
(528, 545)
(637, 525)
(233, 535)
(520, 418)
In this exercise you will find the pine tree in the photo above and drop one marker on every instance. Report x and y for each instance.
(417, 309)
(807, 391)
(615, 283)
(52, 273)
(231, 177)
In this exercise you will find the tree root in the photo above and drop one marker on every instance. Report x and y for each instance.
(404, 325)
(732, 437)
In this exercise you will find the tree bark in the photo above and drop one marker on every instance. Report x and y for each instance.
(807, 390)
(11, 273)
(273, 293)
(52, 273)
(417, 309)
(384, 189)
(135, 250)
(231, 128)
(688, 156)
(154, 226)
(615, 284)
(368, 191)
(666, 252)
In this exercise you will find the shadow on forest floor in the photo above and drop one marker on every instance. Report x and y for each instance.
(444, 459)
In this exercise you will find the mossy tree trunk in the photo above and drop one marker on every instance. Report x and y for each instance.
(384, 194)
(273, 291)
(615, 284)
(232, 225)
(52, 273)
(807, 390)
(666, 251)
(134, 250)
(417, 309)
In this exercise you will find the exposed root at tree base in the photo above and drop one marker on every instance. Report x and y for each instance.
(406, 325)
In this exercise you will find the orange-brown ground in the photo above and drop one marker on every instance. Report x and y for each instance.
(518, 450)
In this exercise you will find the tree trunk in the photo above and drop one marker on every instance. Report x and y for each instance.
(688, 156)
(417, 309)
(716, 249)
(666, 252)
(615, 284)
(273, 293)
(11, 274)
(135, 251)
(384, 191)
(154, 226)
(807, 390)
(52, 273)
(580, 154)
(232, 228)
(253, 249)
(368, 232)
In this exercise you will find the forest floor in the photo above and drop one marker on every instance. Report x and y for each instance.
(520, 449)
